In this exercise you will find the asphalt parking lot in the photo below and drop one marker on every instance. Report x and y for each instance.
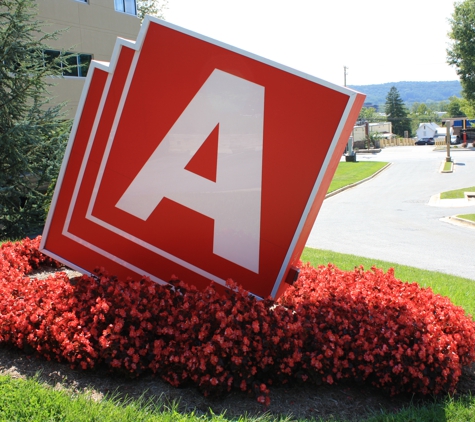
(391, 217)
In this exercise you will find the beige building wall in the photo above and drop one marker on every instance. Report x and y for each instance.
(90, 28)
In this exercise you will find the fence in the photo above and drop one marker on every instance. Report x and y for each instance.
(441, 142)
(396, 142)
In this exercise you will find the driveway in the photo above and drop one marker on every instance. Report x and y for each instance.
(389, 216)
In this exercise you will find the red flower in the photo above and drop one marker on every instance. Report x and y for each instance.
(329, 325)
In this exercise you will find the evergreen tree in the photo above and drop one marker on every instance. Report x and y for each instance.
(396, 113)
(33, 134)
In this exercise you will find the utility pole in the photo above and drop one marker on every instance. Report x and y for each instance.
(350, 154)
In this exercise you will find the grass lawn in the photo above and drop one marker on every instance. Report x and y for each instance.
(470, 217)
(448, 166)
(460, 290)
(28, 400)
(348, 173)
(456, 194)
(7, 240)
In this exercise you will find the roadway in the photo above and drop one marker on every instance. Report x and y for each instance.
(389, 216)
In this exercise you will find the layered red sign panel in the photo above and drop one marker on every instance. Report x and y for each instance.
(191, 158)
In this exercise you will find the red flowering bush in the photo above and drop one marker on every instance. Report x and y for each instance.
(217, 341)
(19, 258)
(371, 326)
(331, 325)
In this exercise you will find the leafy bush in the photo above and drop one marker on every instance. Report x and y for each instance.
(331, 325)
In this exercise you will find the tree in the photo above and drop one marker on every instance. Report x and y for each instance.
(151, 7)
(422, 113)
(468, 108)
(454, 108)
(462, 51)
(369, 114)
(33, 134)
(396, 112)
(372, 140)
(461, 54)
(442, 106)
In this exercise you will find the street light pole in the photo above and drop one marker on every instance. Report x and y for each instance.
(350, 154)
(448, 159)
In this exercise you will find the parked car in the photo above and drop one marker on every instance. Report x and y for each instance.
(425, 141)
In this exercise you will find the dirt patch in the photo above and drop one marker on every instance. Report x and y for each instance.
(344, 402)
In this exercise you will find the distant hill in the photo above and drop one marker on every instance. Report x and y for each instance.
(411, 92)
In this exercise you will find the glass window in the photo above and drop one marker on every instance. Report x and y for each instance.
(73, 64)
(70, 65)
(84, 61)
(130, 7)
(126, 6)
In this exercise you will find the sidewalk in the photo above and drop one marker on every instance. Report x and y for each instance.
(435, 201)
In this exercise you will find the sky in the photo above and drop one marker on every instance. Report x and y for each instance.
(378, 41)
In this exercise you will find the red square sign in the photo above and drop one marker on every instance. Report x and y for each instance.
(192, 158)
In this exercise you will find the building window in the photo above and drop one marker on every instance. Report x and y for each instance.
(126, 6)
(73, 64)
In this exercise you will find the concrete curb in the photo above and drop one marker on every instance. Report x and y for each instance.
(435, 201)
(328, 195)
(368, 151)
(437, 148)
(459, 221)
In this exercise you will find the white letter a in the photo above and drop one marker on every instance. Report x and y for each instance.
(234, 200)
